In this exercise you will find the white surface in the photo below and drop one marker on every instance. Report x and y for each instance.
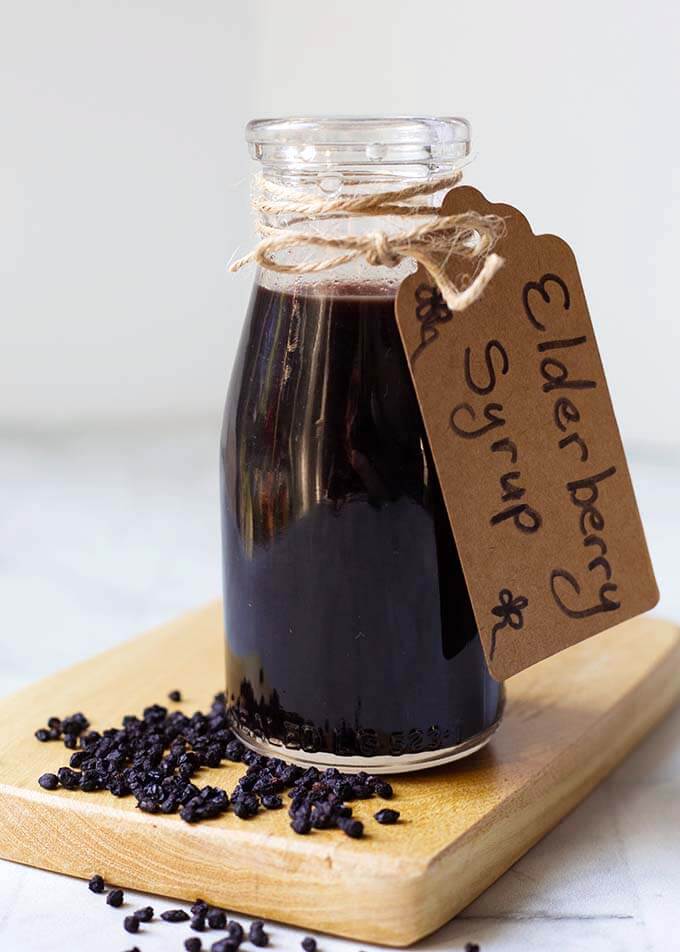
(123, 173)
(104, 535)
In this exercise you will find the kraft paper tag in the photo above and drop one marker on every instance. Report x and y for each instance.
(527, 449)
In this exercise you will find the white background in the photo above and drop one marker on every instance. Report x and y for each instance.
(123, 175)
(123, 193)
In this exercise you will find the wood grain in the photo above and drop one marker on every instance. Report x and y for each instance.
(569, 721)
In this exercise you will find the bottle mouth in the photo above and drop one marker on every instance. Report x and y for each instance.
(321, 142)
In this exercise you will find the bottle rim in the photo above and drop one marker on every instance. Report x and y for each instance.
(325, 141)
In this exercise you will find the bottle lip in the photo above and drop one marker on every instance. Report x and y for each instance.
(323, 141)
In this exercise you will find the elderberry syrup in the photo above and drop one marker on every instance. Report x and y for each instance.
(350, 636)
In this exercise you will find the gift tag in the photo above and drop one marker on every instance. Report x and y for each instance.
(527, 449)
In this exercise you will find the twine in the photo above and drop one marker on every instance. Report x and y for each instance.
(431, 243)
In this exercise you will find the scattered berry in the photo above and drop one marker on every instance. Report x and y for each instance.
(245, 806)
(145, 914)
(115, 898)
(96, 884)
(175, 915)
(257, 935)
(308, 944)
(198, 922)
(387, 816)
(175, 696)
(270, 801)
(131, 924)
(193, 944)
(471, 947)
(70, 728)
(48, 781)
(235, 930)
(155, 759)
(384, 790)
(301, 824)
(68, 778)
(353, 828)
(216, 919)
(224, 945)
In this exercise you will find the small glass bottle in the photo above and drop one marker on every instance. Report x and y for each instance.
(351, 641)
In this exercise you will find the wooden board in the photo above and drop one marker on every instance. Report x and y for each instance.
(569, 721)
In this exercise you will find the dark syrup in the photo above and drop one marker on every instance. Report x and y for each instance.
(349, 627)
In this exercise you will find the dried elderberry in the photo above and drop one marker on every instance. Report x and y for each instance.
(148, 806)
(48, 781)
(224, 945)
(155, 757)
(257, 935)
(361, 791)
(115, 898)
(74, 725)
(301, 824)
(145, 914)
(384, 790)
(96, 884)
(70, 727)
(131, 924)
(68, 778)
(308, 944)
(78, 759)
(175, 915)
(245, 806)
(193, 944)
(272, 801)
(216, 919)
(175, 696)
(353, 828)
(387, 816)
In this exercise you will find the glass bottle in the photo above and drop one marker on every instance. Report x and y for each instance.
(350, 637)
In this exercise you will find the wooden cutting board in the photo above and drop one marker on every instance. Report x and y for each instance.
(569, 721)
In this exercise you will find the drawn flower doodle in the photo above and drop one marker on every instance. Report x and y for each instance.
(431, 309)
(509, 610)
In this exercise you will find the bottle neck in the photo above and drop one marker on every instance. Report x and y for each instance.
(291, 199)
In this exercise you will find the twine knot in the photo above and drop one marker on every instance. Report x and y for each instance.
(379, 251)
(431, 243)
